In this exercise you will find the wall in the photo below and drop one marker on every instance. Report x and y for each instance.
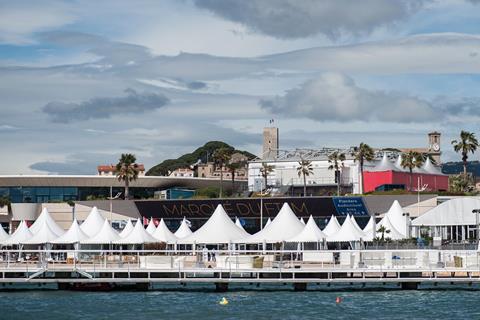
(375, 179)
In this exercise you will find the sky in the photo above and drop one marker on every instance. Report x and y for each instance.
(83, 81)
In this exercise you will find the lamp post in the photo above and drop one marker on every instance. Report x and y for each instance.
(407, 224)
(111, 203)
(477, 227)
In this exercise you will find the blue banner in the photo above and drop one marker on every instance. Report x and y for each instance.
(353, 206)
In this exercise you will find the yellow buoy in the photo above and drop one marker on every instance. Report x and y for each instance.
(224, 301)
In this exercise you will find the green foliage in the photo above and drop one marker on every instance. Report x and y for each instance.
(460, 184)
(188, 159)
(208, 192)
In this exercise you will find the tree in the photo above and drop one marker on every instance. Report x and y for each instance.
(411, 160)
(264, 171)
(336, 162)
(127, 171)
(221, 157)
(383, 230)
(361, 154)
(468, 143)
(233, 167)
(5, 201)
(304, 169)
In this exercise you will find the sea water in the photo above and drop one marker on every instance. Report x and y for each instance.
(198, 303)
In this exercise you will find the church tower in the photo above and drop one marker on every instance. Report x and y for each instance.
(434, 145)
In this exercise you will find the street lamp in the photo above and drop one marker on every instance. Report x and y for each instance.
(112, 198)
(476, 212)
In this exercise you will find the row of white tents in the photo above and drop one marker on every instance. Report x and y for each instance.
(218, 229)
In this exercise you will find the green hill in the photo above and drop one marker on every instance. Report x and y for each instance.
(188, 159)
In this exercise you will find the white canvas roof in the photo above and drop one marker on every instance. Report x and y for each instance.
(151, 227)
(73, 235)
(285, 226)
(138, 236)
(394, 234)
(20, 235)
(355, 224)
(3, 234)
(398, 163)
(348, 232)
(369, 226)
(302, 221)
(163, 234)
(384, 165)
(455, 212)
(93, 224)
(127, 229)
(45, 216)
(396, 217)
(219, 228)
(183, 231)
(332, 226)
(239, 224)
(268, 222)
(106, 235)
(43, 235)
(430, 168)
(310, 233)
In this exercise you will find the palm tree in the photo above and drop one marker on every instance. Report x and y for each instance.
(468, 143)
(264, 171)
(304, 169)
(383, 230)
(361, 154)
(336, 162)
(127, 170)
(411, 160)
(221, 157)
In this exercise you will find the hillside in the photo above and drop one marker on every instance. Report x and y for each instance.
(457, 167)
(188, 159)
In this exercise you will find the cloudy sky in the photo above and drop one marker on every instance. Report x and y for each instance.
(83, 81)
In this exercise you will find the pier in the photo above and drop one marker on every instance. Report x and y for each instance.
(142, 269)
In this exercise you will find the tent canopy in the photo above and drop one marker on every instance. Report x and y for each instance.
(151, 226)
(219, 228)
(238, 223)
(3, 234)
(310, 233)
(184, 230)
(348, 232)
(106, 235)
(93, 224)
(455, 212)
(127, 229)
(73, 235)
(20, 235)
(44, 234)
(163, 234)
(393, 233)
(332, 226)
(396, 216)
(45, 217)
(430, 168)
(285, 226)
(384, 165)
(138, 236)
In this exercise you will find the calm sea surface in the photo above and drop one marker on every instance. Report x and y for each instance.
(244, 304)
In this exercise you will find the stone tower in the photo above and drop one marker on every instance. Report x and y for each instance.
(434, 147)
(270, 143)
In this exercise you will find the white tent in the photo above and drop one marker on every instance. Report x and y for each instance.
(455, 212)
(394, 234)
(106, 235)
(238, 223)
(93, 224)
(127, 229)
(151, 227)
(396, 217)
(430, 168)
(332, 226)
(384, 165)
(348, 232)
(398, 163)
(369, 227)
(73, 235)
(302, 221)
(138, 236)
(219, 228)
(163, 234)
(183, 231)
(45, 217)
(3, 234)
(20, 235)
(44, 234)
(268, 222)
(285, 226)
(310, 233)
(355, 224)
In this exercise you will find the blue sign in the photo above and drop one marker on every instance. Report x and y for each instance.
(353, 206)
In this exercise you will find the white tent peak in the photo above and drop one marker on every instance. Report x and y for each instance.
(138, 235)
(219, 228)
(310, 233)
(348, 232)
(268, 222)
(369, 226)
(355, 224)
(332, 226)
(396, 216)
(184, 230)
(73, 235)
(384, 165)
(283, 227)
(393, 233)
(20, 235)
(127, 229)
(163, 234)
(106, 235)
(238, 223)
(429, 167)
(398, 163)
(46, 217)
(44, 234)
(93, 224)
(302, 221)
(3, 234)
(151, 226)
